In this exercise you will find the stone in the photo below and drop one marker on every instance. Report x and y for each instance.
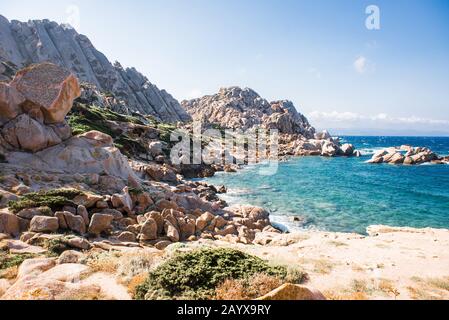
(155, 148)
(123, 200)
(112, 212)
(156, 216)
(87, 200)
(290, 291)
(149, 230)
(32, 212)
(61, 220)
(347, 149)
(28, 134)
(161, 245)
(49, 88)
(75, 223)
(204, 220)
(329, 149)
(70, 256)
(324, 135)
(80, 154)
(44, 224)
(78, 243)
(6, 197)
(127, 236)
(20, 247)
(397, 158)
(166, 204)
(172, 232)
(82, 212)
(10, 102)
(100, 223)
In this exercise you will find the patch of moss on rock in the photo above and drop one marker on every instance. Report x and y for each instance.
(54, 199)
(195, 275)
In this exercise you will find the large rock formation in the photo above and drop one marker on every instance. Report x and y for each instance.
(23, 43)
(244, 109)
(407, 155)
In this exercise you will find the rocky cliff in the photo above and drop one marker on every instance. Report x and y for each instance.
(244, 109)
(24, 43)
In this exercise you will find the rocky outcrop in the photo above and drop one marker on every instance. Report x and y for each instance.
(244, 109)
(407, 155)
(23, 43)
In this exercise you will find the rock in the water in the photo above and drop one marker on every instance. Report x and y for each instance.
(44, 224)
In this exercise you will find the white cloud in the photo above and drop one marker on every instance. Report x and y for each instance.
(361, 64)
(195, 93)
(335, 116)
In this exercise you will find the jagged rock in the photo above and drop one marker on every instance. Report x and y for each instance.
(156, 148)
(323, 135)
(244, 109)
(49, 88)
(100, 223)
(123, 200)
(75, 223)
(9, 223)
(44, 224)
(42, 40)
(329, 149)
(156, 216)
(204, 220)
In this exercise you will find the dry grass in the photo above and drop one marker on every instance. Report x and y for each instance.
(429, 288)
(135, 282)
(10, 273)
(84, 294)
(103, 262)
(323, 266)
(338, 243)
(247, 289)
(331, 295)
(137, 263)
(387, 286)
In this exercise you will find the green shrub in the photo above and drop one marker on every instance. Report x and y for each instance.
(53, 199)
(13, 260)
(195, 275)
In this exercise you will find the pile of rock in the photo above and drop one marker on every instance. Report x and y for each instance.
(244, 109)
(35, 135)
(322, 145)
(185, 216)
(406, 155)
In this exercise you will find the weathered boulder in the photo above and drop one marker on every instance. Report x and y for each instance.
(84, 154)
(49, 88)
(44, 224)
(9, 223)
(70, 256)
(10, 102)
(171, 231)
(149, 230)
(100, 223)
(28, 134)
(347, 150)
(323, 135)
(123, 200)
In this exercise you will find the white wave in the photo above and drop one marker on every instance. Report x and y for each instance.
(370, 151)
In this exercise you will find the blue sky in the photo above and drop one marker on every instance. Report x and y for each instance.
(319, 54)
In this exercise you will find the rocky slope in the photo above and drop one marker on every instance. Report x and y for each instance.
(244, 109)
(23, 43)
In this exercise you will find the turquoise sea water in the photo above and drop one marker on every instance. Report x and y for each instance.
(347, 194)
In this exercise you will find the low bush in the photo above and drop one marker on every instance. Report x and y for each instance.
(53, 199)
(197, 274)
